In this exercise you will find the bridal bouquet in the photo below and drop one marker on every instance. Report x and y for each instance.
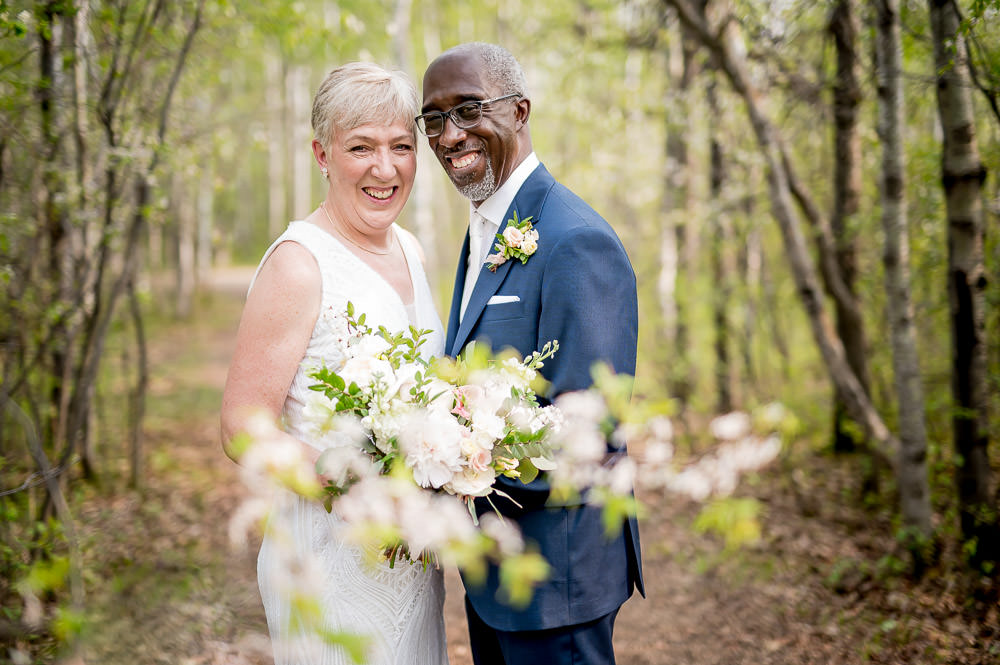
(452, 426)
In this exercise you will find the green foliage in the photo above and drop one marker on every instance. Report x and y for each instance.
(519, 575)
(735, 519)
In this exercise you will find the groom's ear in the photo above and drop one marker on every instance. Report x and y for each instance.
(522, 109)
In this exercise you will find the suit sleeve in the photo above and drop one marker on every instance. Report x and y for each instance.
(588, 304)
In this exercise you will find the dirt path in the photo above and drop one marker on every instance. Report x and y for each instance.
(808, 594)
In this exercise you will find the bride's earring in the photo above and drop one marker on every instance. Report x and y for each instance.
(325, 172)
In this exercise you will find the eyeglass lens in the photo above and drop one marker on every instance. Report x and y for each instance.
(465, 116)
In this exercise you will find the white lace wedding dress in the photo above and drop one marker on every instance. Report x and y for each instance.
(400, 609)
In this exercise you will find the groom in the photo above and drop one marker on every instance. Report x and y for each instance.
(577, 287)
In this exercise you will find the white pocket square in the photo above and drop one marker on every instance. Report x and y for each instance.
(500, 300)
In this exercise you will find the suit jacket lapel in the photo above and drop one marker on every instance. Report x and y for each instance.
(527, 202)
(456, 296)
(486, 285)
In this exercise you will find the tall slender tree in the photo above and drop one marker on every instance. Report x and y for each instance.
(844, 26)
(962, 175)
(914, 493)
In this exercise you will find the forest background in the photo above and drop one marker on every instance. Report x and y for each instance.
(807, 191)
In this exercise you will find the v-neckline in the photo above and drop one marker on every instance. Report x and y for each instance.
(381, 278)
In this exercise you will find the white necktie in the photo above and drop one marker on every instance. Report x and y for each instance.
(477, 226)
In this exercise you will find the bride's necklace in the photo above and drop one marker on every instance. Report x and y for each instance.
(386, 252)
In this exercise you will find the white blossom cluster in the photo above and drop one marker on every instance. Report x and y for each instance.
(448, 431)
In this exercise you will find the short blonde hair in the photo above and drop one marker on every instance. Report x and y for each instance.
(362, 93)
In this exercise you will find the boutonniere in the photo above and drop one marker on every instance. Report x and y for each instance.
(518, 241)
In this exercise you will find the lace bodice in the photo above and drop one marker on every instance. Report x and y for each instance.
(401, 608)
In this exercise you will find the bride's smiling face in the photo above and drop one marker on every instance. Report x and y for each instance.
(372, 168)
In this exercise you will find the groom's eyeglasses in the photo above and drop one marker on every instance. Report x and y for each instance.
(465, 116)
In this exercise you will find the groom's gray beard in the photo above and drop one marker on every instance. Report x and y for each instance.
(483, 189)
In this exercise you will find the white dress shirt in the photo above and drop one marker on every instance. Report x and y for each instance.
(485, 221)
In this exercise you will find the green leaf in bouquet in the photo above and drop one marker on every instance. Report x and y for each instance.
(527, 469)
(536, 449)
(335, 381)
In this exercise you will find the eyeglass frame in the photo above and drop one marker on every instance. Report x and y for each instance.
(450, 113)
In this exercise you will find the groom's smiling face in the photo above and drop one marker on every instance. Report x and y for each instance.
(479, 159)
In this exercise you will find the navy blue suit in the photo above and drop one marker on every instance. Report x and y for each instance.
(578, 288)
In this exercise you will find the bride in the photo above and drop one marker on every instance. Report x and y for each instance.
(348, 249)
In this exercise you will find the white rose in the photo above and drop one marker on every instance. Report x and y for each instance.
(529, 246)
(440, 395)
(369, 345)
(362, 370)
(405, 380)
(513, 236)
(488, 423)
(471, 482)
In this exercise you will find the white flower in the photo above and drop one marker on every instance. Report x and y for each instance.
(504, 533)
(405, 380)
(528, 246)
(472, 482)
(488, 423)
(369, 345)
(363, 371)
(274, 457)
(318, 413)
(339, 464)
(432, 522)
(519, 374)
(731, 426)
(582, 404)
(693, 482)
(432, 443)
(440, 395)
(621, 477)
(368, 503)
(336, 321)
(578, 438)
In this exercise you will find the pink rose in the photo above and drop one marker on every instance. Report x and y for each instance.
(513, 236)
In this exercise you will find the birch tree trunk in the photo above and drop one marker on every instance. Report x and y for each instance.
(750, 269)
(844, 26)
(277, 147)
(914, 493)
(719, 244)
(304, 169)
(185, 213)
(206, 222)
(962, 174)
(676, 246)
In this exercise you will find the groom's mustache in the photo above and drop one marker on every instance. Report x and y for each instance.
(464, 146)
